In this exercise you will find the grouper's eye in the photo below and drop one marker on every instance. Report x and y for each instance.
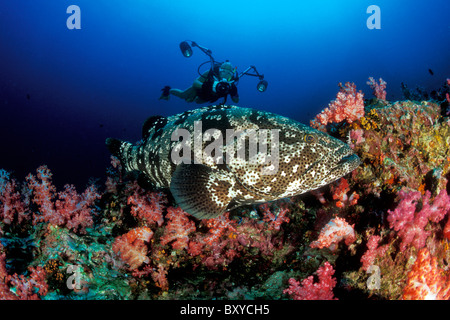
(310, 138)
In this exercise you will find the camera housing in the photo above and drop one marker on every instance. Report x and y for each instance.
(221, 87)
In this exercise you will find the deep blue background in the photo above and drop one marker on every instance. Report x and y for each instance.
(105, 79)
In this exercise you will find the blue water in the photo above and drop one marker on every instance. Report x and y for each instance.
(63, 92)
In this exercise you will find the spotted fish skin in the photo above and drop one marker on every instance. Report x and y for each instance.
(308, 159)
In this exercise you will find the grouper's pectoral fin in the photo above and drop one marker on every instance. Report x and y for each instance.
(117, 147)
(123, 151)
(201, 191)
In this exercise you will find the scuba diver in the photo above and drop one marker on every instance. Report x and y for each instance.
(210, 86)
(217, 82)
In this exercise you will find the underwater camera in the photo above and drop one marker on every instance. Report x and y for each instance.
(222, 87)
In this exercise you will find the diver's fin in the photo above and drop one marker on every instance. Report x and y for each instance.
(157, 122)
(201, 191)
(165, 93)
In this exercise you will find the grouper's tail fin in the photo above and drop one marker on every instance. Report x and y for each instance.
(120, 149)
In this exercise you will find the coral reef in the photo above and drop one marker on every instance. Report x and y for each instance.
(382, 232)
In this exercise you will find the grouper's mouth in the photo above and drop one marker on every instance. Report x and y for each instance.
(349, 159)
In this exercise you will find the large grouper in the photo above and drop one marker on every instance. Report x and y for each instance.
(220, 157)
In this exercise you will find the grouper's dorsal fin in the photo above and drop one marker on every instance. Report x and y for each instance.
(157, 122)
(201, 191)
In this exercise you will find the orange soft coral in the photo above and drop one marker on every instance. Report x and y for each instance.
(425, 280)
(131, 247)
(336, 230)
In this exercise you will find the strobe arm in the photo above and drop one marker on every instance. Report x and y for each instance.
(262, 84)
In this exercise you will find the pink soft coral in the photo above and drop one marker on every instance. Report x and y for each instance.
(12, 207)
(66, 208)
(379, 89)
(373, 251)
(308, 290)
(349, 105)
(410, 223)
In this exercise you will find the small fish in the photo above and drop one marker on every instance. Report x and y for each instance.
(431, 72)
(306, 158)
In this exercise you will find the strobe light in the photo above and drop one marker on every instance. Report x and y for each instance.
(262, 86)
(186, 49)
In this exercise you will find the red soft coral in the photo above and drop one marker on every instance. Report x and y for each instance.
(32, 287)
(159, 275)
(218, 227)
(308, 290)
(43, 196)
(75, 208)
(19, 286)
(340, 194)
(148, 207)
(178, 228)
(274, 220)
